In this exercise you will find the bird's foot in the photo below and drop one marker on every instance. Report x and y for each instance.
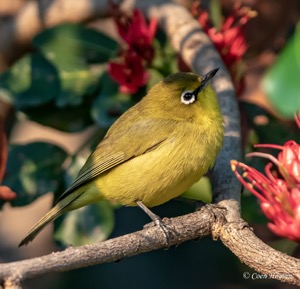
(157, 221)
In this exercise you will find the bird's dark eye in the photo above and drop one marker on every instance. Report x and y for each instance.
(188, 97)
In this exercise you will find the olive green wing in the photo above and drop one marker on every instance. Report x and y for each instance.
(120, 145)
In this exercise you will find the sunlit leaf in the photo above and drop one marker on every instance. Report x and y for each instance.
(73, 45)
(281, 82)
(31, 81)
(90, 224)
(71, 48)
(33, 170)
(200, 191)
(75, 85)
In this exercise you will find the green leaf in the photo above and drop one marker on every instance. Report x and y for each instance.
(68, 119)
(73, 45)
(31, 81)
(281, 82)
(90, 224)
(110, 104)
(33, 170)
(75, 85)
(200, 191)
(71, 48)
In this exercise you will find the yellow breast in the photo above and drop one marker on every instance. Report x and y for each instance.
(160, 175)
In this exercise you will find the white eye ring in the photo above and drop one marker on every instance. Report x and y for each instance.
(188, 97)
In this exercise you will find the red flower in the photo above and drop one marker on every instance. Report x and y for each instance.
(136, 33)
(230, 40)
(279, 193)
(3, 149)
(130, 73)
(6, 193)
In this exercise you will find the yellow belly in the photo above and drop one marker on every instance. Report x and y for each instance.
(153, 178)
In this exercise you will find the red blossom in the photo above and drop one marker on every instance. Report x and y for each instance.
(288, 160)
(130, 73)
(137, 33)
(3, 149)
(230, 40)
(130, 69)
(279, 193)
(6, 193)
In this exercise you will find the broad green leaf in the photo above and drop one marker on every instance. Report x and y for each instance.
(110, 103)
(71, 48)
(75, 86)
(281, 82)
(31, 81)
(33, 170)
(90, 224)
(73, 45)
(68, 119)
(200, 191)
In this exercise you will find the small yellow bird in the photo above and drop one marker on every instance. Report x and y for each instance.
(153, 153)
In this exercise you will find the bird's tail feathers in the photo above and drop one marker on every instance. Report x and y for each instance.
(55, 212)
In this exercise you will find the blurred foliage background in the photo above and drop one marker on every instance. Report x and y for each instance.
(57, 100)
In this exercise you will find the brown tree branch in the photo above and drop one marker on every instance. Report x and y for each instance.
(259, 256)
(188, 227)
(188, 38)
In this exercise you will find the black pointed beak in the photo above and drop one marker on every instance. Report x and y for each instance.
(205, 80)
(208, 76)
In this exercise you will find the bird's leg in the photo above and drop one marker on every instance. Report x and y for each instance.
(157, 221)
